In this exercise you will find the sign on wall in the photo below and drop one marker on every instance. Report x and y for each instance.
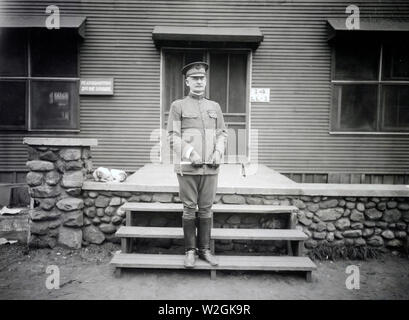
(97, 86)
(260, 94)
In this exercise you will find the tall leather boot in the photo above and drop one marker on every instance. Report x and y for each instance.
(203, 235)
(189, 231)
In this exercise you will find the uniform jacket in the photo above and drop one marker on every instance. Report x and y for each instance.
(195, 122)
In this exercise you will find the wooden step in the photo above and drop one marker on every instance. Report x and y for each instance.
(217, 233)
(170, 261)
(228, 208)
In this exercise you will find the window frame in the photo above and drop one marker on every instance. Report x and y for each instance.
(29, 78)
(207, 51)
(334, 118)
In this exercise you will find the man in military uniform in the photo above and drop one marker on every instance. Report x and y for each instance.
(197, 136)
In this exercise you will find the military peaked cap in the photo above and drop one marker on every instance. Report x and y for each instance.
(195, 68)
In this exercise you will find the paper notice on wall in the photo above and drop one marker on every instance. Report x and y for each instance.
(97, 86)
(260, 94)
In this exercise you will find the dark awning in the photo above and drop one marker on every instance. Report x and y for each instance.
(66, 22)
(197, 36)
(338, 25)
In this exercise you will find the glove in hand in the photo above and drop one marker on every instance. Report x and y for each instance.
(216, 159)
(195, 159)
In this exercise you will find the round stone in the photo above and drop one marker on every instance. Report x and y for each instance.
(357, 215)
(298, 203)
(360, 242)
(70, 154)
(367, 232)
(47, 203)
(70, 204)
(89, 202)
(392, 215)
(52, 178)
(115, 201)
(373, 214)
(313, 207)
(342, 223)
(321, 226)
(106, 219)
(375, 241)
(381, 206)
(107, 228)
(93, 235)
(90, 212)
(391, 204)
(39, 165)
(403, 206)
(394, 243)
(370, 205)
(352, 233)
(330, 236)
(102, 202)
(100, 212)
(34, 178)
(350, 205)
(388, 234)
(116, 220)
(48, 156)
(319, 235)
(360, 206)
(110, 211)
(72, 179)
(328, 204)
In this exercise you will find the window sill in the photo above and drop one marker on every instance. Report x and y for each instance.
(367, 133)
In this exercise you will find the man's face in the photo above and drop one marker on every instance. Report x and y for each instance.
(197, 84)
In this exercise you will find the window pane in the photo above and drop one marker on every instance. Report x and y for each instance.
(237, 83)
(355, 107)
(218, 79)
(13, 52)
(54, 53)
(395, 103)
(396, 62)
(12, 104)
(173, 86)
(356, 62)
(54, 105)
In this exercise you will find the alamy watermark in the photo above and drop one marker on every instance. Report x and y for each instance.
(353, 280)
(53, 280)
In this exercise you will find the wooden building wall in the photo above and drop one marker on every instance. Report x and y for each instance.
(293, 61)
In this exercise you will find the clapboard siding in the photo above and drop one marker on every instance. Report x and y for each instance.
(293, 61)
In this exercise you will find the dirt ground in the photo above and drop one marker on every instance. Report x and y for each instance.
(87, 274)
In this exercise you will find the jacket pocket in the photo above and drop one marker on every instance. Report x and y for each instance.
(189, 120)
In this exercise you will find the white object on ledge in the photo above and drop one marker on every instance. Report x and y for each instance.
(109, 175)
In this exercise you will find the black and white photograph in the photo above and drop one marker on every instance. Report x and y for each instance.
(204, 154)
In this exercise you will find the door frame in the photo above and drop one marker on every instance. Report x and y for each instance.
(248, 86)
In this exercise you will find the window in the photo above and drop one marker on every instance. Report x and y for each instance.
(370, 86)
(39, 79)
(226, 84)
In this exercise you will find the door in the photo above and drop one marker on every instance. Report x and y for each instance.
(227, 84)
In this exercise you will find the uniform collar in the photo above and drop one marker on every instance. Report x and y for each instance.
(196, 96)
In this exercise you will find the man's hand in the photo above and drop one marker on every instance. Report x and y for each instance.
(216, 159)
(195, 159)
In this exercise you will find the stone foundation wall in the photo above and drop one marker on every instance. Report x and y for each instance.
(55, 182)
(64, 213)
(358, 221)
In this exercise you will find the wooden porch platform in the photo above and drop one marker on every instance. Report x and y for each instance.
(260, 180)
